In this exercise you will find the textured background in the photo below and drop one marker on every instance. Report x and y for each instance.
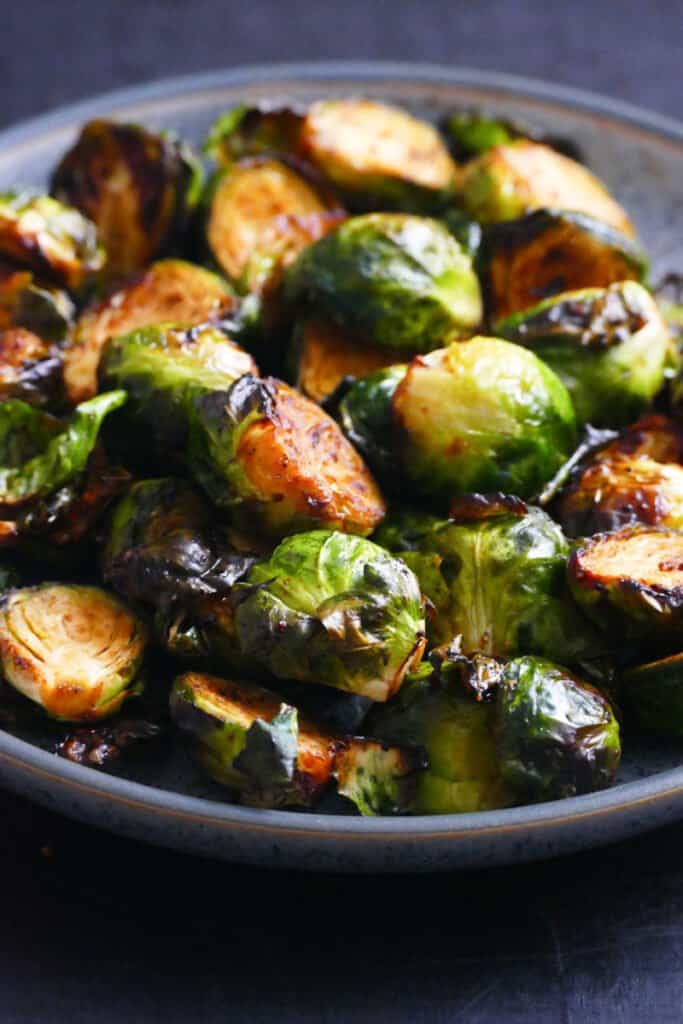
(97, 928)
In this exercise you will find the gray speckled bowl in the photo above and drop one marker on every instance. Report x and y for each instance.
(640, 156)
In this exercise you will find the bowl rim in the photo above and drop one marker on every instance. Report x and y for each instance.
(24, 758)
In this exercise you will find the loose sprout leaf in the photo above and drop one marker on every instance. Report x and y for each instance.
(270, 750)
(100, 747)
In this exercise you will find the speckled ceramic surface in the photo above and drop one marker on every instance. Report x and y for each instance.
(164, 800)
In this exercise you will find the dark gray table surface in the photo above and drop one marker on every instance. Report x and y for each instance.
(93, 927)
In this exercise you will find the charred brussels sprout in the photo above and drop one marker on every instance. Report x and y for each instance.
(137, 187)
(39, 455)
(653, 695)
(170, 291)
(246, 739)
(549, 252)
(277, 463)
(557, 736)
(334, 609)
(53, 239)
(376, 777)
(635, 479)
(322, 356)
(162, 369)
(494, 575)
(398, 281)
(366, 416)
(630, 580)
(482, 415)
(27, 303)
(514, 178)
(609, 346)
(75, 650)
(456, 733)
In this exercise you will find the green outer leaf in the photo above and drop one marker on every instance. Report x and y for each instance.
(269, 755)
(365, 416)
(65, 455)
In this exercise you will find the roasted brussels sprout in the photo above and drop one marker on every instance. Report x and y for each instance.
(137, 187)
(277, 463)
(556, 735)
(395, 280)
(456, 733)
(482, 415)
(75, 650)
(247, 739)
(653, 695)
(39, 455)
(513, 178)
(376, 777)
(335, 609)
(609, 346)
(494, 575)
(162, 369)
(170, 291)
(635, 479)
(549, 252)
(322, 355)
(53, 239)
(28, 303)
(366, 416)
(376, 155)
(630, 580)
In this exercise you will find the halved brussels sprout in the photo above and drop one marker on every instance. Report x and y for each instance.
(556, 735)
(26, 302)
(376, 777)
(162, 369)
(247, 739)
(322, 355)
(39, 455)
(630, 580)
(366, 415)
(653, 694)
(456, 733)
(514, 178)
(609, 346)
(334, 609)
(170, 291)
(54, 239)
(549, 252)
(75, 650)
(259, 215)
(277, 463)
(377, 155)
(482, 415)
(136, 186)
(635, 479)
(395, 280)
(495, 575)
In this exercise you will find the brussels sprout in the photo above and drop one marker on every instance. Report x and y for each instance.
(635, 479)
(49, 237)
(511, 179)
(653, 694)
(395, 280)
(376, 777)
(470, 133)
(494, 575)
(170, 291)
(456, 733)
(25, 302)
(482, 415)
(278, 463)
(38, 455)
(609, 346)
(377, 155)
(630, 580)
(322, 356)
(75, 650)
(366, 416)
(246, 739)
(556, 735)
(137, 187)
(335, 609)
(549, 252)
(162, 369)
